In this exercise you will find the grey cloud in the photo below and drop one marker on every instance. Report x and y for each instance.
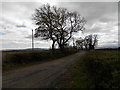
(36, 39)
(7, 24)
(29, 37)
(92, 30)
(91, 10)
(16, 13)
(20, 11)
(100, 12)
(110, 17)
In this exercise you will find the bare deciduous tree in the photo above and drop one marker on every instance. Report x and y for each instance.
(89, 42)
(57, 24)
(80, 43)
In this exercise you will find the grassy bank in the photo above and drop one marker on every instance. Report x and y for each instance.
(96, 69)
(15, 59)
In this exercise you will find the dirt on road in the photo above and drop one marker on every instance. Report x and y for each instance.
(43, 75)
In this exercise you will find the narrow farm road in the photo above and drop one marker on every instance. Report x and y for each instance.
(39, 76)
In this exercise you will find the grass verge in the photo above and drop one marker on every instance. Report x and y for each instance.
(18, 59)
(97, 69)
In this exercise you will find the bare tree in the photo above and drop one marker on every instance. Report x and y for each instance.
(80, 43)
(74, 43)
(90, 41)
(57, 24)
(86, 42)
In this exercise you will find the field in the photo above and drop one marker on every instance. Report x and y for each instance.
(18, 59)
(97, 69)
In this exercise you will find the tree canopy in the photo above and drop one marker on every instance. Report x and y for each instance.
(57, 24)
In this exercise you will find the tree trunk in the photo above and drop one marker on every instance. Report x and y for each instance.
(53, 44)
(61, 46)
(91, 46)
(86, 47)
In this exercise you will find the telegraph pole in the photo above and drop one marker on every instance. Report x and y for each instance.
(32, 40)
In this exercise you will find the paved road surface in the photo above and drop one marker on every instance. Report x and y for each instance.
(43, 75)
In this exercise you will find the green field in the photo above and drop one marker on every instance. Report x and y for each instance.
(96, 69)
(18, 59)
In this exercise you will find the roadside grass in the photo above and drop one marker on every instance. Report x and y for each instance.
(17, 59)
(96, 69)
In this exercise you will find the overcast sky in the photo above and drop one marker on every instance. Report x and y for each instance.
(16, 24)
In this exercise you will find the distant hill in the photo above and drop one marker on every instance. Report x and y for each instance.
(108, 48)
